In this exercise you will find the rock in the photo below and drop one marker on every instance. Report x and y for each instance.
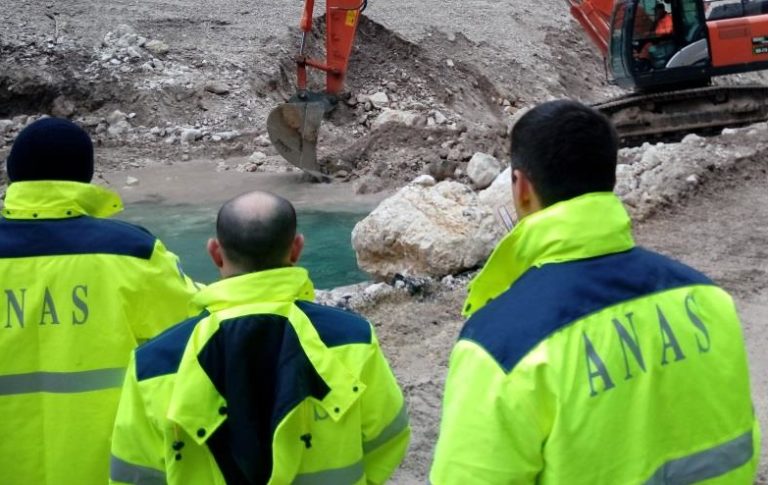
(115, 62)
(157, 47)
(425, 181)
(440, 118)
(217, 87)
(116, 116)
(185, 157)
(188, 135)
(134, 52)
(442, 169)
(729, 131)
(6, 126)
(119, 128)
(483, 170)
(377, 291)
(499, 193)
(406, 118)
(426, 232)
(257, 157)
(379, 100)
(449, 63)
(122, 30)
(650, 159)
(131, 181)
(692, 179)
(692, 139)
(227, 135)
(457, 153)
(62, 107)
(22, 120)
(262, 141)
(370, 184)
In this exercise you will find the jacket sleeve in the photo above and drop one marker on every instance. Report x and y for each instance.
(490, 432)
(137, 446)
(161, 297)
(385, 424)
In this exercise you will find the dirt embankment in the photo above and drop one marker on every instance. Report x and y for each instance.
(177, 80)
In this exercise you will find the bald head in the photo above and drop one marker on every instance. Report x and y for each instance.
(256, 231)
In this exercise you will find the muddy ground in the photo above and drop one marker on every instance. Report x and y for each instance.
(168, 85)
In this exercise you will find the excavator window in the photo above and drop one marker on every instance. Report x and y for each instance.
(728, 9)
(653, 42)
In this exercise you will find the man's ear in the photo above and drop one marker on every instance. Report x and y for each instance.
(524, 194)
(215, 252)
(296, 248)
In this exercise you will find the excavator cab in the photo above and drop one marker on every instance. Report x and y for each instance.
(655, 43)
(659, 44)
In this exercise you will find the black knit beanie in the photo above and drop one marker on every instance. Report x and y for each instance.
(51, 149)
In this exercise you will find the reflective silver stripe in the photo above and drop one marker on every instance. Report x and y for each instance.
(337, 476)
(122, 471)
(61, 382)
(393, 429)
(705, 464)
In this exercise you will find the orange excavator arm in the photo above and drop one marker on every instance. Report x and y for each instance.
(293, 127)
(595, 18)
(342, 17)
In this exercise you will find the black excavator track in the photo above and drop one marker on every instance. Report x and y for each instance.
(671, 115)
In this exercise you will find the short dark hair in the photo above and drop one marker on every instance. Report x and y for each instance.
(256, 230)
(567, 149)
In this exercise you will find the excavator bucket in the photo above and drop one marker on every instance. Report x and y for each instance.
(293, 128)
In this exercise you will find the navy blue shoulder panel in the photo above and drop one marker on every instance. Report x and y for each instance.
(336, 327)
(258, 365)
(546, 299)
(78, 235)
(162, 355)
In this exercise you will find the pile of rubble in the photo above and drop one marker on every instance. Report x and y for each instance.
(430, 229)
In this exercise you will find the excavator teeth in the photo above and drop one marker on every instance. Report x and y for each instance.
(293, 128)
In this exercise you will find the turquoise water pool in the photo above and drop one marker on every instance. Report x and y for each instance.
(184, 229)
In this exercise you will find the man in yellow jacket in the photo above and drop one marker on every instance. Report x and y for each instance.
(587, 360)
(263, 386)
(78, 293)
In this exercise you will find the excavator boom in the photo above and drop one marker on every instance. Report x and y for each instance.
(293, 127)
(595, 18)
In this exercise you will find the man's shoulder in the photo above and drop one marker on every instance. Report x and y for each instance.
(550, 297)
(335, 326)
(162, 355)
(78, 235)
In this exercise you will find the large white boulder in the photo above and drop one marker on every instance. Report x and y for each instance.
(499, 193)
(426, 231)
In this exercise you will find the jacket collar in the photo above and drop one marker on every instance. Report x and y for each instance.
(276, 285)
(54, 199)
(589, 226)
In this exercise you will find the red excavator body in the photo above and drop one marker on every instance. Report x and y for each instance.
(653, 44)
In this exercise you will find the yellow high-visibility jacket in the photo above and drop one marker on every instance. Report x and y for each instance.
(587, 360)
(78, 293)
(262, 387)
